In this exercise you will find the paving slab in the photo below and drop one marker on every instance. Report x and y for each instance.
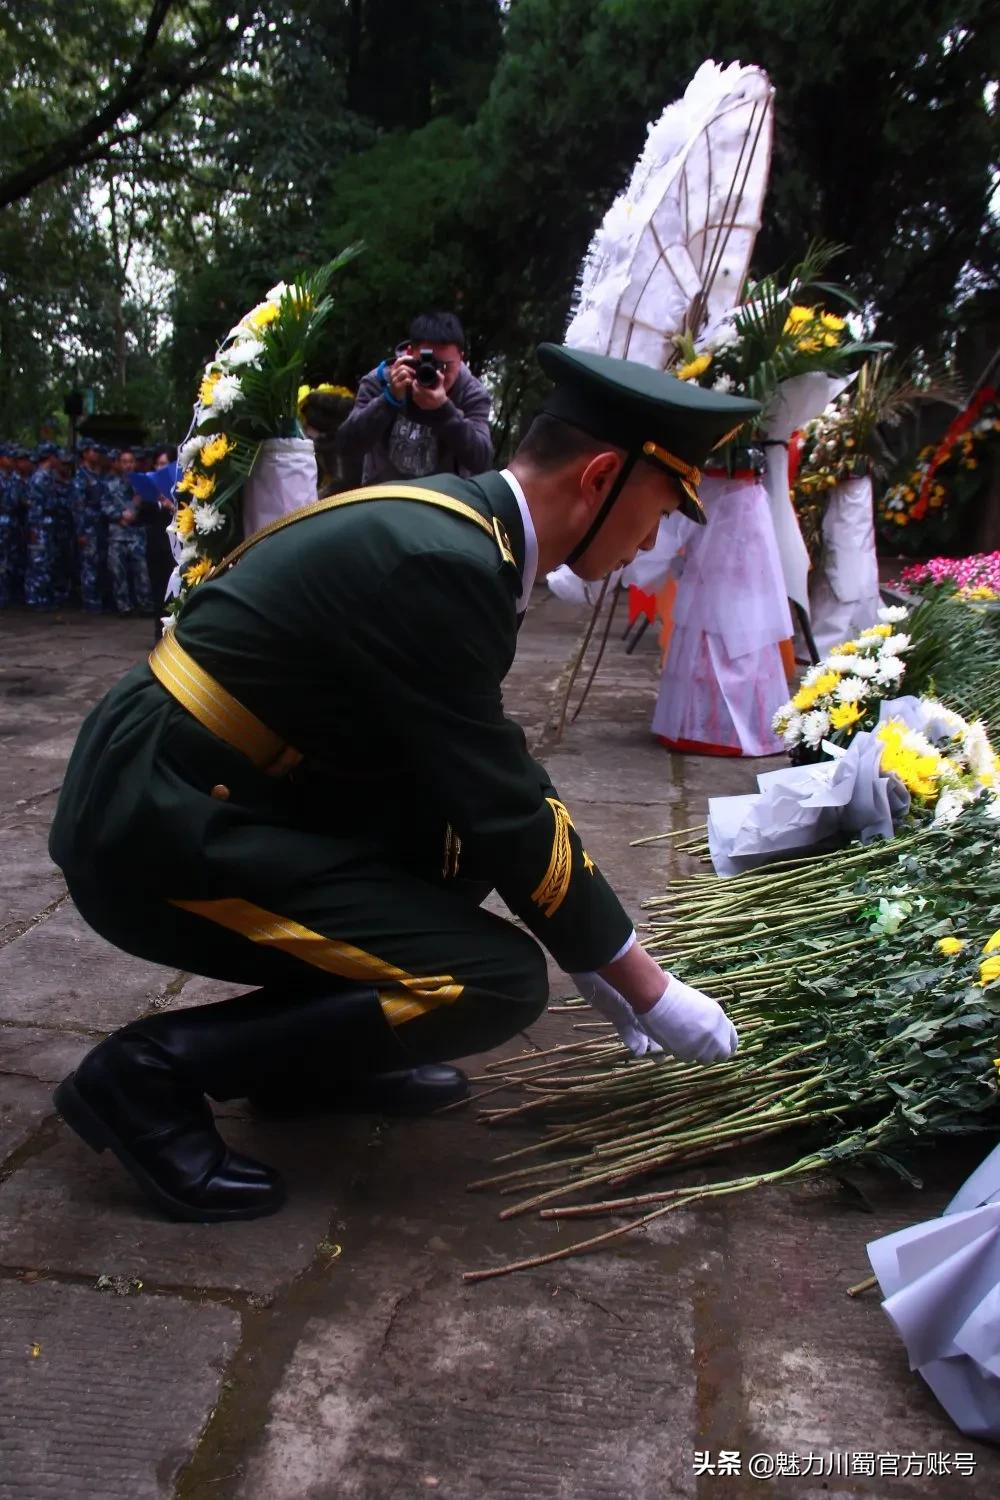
(61, 971)
(104, 1396)
(70, 1211)
(550, 1385)
(44, 1053)
(24, 1104)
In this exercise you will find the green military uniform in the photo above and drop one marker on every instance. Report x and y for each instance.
(374, 638)
(310, 788)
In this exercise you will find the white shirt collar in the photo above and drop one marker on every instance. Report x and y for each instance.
(530, 542)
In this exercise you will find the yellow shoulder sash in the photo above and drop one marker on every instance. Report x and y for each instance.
(373, 492)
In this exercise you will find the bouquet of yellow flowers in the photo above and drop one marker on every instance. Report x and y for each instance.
(774, 334)
(248, 392)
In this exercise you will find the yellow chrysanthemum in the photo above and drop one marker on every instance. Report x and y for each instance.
(830, 340)
(694, 367)
(874, 630)
(214, 451)
(325, 389)
(262, 315)
(184, 520)
(197, 571)
(805, 698)
(849, 648)
(810, 345)
(950, 945)
(992, 944)
(798, 316)
(826, 683)
(207, 387)
(202, 486)
(989, 972)
(843, 715)
(832, 322)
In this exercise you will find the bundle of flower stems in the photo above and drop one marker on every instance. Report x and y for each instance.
(955, 655)
(868, 1019)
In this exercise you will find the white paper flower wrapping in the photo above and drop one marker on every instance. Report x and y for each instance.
(803, 808)
(941, 1283)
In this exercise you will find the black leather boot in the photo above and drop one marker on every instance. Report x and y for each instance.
(404, 1091)
(135, 1094)
(141, 1092)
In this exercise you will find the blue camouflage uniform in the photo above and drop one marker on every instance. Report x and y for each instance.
(10, 531)
(14, 526)
(126, 550)
(91, 536)
(44, 501)
(66, 574)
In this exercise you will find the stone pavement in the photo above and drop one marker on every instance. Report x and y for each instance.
(333, 1352)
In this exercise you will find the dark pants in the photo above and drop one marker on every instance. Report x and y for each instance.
(452, 979)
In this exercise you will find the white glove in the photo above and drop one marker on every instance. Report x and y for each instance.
(616, 1009)
(690, 1025)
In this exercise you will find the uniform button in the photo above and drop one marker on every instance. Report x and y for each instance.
(220, 792)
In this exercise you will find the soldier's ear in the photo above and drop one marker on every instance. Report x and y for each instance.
(599, 474)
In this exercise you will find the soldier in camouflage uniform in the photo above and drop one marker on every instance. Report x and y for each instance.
(16, 525)
(7, 519)
(91, 526)
(126, 541)
(44, 500)
(65, 579)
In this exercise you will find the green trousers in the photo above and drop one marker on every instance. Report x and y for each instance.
(271, 887)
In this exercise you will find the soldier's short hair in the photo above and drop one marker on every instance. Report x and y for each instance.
(549, 443)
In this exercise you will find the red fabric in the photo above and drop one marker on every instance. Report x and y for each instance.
(640, 604)
(695, 747)
(794, 457)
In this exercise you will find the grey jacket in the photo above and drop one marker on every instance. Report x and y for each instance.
(407, 443)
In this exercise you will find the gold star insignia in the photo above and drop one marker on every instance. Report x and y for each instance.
(588, 863)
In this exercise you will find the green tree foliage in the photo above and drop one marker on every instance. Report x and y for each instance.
(473, 148)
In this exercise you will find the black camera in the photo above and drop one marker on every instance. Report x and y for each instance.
(425, 367)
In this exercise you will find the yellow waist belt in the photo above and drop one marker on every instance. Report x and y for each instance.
(209, 702)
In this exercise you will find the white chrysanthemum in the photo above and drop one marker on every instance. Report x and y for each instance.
(207, 517)
(863, 666)
(225, 393)
(978, 751)
(889, 670)
(188, 553)
(945, 716)
(188, 450)
(893, 644)
(851, 690)
(815, 727)
(813, 674)
(243, 352)
(891, 614)
(784, 713)
(792, 732)
(167, 623)
(840, 663)
(950, 804)
(724, 384)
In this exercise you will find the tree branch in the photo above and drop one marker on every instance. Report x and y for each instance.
(87, 144)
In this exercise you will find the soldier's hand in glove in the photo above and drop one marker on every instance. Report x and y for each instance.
(616, 1009)
(690, 1025)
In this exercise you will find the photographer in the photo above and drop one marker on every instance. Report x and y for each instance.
(420, 412)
